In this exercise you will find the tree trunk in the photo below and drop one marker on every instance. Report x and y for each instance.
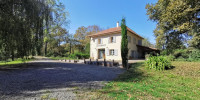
(45, 51)
(13, 56)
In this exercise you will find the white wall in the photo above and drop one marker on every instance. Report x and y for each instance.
(94, 46)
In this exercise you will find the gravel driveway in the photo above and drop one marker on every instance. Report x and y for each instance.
(47, 79)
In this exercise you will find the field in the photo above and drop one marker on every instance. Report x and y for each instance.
(182, 82)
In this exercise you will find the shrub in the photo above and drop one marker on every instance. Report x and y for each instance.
(73, 56)
(181, 53)
(171, 58)
(194, 55)
(79, 56)
(158, 62)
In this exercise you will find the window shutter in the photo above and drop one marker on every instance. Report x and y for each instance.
(114, 39)
(101, 41)
(116, 52)
(107, 52)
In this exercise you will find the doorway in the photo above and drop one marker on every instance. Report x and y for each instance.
(101, 53)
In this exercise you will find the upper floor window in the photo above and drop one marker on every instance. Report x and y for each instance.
(100, 41)
(129, 39)
(112, 39)
(134, 40)
(139, 42)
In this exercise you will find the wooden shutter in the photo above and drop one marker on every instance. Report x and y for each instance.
(107, 52)
(116, 52)
(114, 39)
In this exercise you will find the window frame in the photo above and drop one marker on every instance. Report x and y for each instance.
(111, 52)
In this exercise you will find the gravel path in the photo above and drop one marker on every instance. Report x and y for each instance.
(48, 79)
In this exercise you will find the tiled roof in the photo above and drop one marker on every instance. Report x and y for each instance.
(113, 30)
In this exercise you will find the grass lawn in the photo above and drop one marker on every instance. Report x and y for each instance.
(180, 83)
(18, 61)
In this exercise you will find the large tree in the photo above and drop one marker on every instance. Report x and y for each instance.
(22, 25)
(81, 35)
(124, 44)
(177, 21)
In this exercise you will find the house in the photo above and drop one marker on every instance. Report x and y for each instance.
(107, 44)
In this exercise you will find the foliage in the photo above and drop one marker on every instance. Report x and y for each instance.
(28, 27)
(22, 25)
(194, 55)
(81, 36)
(146, 42)
(124, 44)
(181, 53)
(79, 56)
(177, 23)
(158, 62)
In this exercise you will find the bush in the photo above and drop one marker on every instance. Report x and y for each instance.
(171, 58)
(194, 55)
(79, 56)
(158, 62)
(181, 53)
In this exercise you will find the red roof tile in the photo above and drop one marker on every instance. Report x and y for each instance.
(113, 30)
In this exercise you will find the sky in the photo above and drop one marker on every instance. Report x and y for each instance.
(106, 13)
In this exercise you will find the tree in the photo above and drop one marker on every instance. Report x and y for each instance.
(56, 30)
(146, 42)
(176, 19)
(81, 35)
(22, 25)
(124, 44)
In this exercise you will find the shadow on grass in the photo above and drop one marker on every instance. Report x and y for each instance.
(171, 67)
(133, 74)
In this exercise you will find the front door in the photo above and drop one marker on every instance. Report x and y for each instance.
(101, 53)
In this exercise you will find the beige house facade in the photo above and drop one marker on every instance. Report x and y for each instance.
(107, 44)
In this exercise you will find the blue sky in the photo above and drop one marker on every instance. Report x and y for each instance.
(106, 13)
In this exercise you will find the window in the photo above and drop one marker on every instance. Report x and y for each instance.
(100, 41)
(112, 52)
(129, 39)
(112, 39)
(139, 42)
(134, 40)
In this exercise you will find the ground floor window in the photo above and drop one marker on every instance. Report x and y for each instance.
(112, 52)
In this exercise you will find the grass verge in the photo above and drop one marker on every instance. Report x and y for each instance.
(181, 83)
(17, 61)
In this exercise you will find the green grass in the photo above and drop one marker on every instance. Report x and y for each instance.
(180, 83)
(17, 61)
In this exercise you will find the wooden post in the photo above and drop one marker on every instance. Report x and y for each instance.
(65, 60)
(90, 61)
(69, 60)
(104, 62)
(84, 61)
(97, 63)
(113, 63)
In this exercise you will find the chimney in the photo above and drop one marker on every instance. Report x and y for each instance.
(117, 24)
